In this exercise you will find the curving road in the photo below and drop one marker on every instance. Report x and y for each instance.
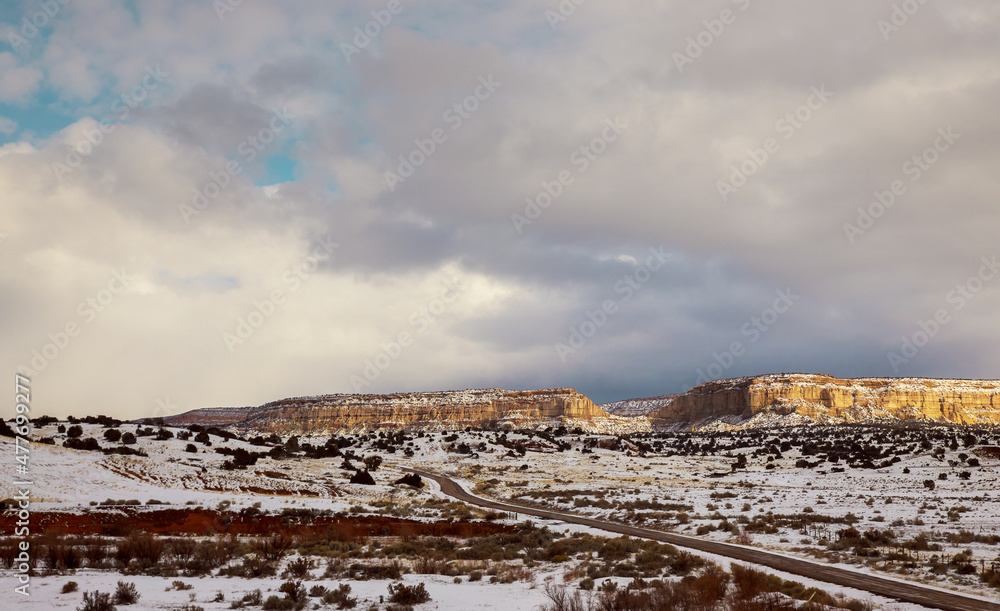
(904, 591)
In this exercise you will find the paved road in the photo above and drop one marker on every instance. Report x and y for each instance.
(908, 592)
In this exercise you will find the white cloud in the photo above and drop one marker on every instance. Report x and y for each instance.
(17, 82)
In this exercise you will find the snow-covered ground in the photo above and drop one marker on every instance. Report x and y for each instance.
(708, 492)
(681, 487)
(156, 592)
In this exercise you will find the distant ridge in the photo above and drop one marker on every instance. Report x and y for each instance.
(446, 410)
(782, 399)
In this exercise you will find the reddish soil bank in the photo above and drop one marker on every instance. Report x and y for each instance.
(124, 520)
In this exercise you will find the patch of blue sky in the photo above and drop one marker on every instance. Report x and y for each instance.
(278, 168)
(38, 119)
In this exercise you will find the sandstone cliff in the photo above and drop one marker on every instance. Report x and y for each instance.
(767, 400)
(820, 398)
(490, 408)
(631, 408)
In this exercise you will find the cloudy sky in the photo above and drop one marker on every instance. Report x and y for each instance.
(225, 203)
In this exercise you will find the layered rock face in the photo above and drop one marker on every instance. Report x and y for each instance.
(490, 408)
(767, 400)
(825, 399)
(631, 408)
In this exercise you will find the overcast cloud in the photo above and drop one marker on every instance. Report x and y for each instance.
(244, 229)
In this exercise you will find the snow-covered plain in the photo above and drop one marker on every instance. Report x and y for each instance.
(689, 492)
(605, 483)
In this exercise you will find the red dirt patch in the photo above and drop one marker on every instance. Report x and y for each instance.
(122, 521)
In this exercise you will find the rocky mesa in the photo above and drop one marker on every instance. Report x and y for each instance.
(825, 399)
(486, 408)
(765, 400)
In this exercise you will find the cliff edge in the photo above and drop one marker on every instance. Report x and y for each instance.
(825, 399)
(486, 408)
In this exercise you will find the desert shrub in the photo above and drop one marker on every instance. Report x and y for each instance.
(8, 550)
(428, 565)
(586, 583)
(619, 548)
(69, 587)
(991, 577)
(340, 597)
(59, 554)
(126, 594)
(921, 544)
(276, 603)
(74, 431)
(181, 549)
(684, 562)
(299, 568)
(113, 435)
(711, 584)
(252, 567)
(211, 554)
(410, 479)
(96, 601)
(745, 537)
(250, 599)
(408, 595)
(293, 591)
(748, 582)
(562, 600)
(273, 548)
(363, 477)
(361, 572)
(144, 548)
(128, 438)
(89, 444)
(651, 561)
